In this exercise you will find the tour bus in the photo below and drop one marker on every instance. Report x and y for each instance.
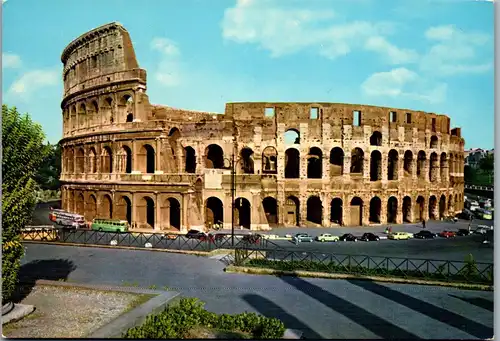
(67, 219)
(110, 225)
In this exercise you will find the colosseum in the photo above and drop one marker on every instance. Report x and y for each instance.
(277, 164)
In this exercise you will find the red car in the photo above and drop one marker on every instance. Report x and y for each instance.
(447, 234)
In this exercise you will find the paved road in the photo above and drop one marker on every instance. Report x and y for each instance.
(320, 308)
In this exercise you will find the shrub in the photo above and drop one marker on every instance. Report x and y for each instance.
(177, 321)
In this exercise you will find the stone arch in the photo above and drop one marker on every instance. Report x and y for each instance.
(80, 204)
(375, 210)
(190, 160)
(315, 163)
(291, 136)
(269, 160)
(82, 115)
(408, 163)
(80, 161)
(127, 104)
(246, 161)
(124, 209)
(433, 167)
(433, 208)
(421, 160)
(336, 161)
(214, 212)
(393, 165)
(106, 207)
(442, 206)
(126, 160)
(292, 163)
(357, 160)
(376, 139)
(106, 160)
(270, 206)
(443, 166)
(214, 157)
(146, 159)
(171, 213)
(314, 210)
(71, 160)
(375, 166)
(434, 142)
(336, 211)
(91, 208)
(392, 210)
(174, 133)
(356, 211)
(407, 216)
(108, 106)
(420, 208)
(146, 212)
(92, 160)
(243, 213)
(73, 117)
(292, 209)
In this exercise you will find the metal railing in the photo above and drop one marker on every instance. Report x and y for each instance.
(443, 270)
(143, 240)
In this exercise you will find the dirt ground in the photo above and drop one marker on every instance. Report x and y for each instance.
(70, 312)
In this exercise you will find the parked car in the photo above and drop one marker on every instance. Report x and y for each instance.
(302, 237)
(447, 234)
(400, 235)
(270, 236)
(170, 236)
(195, 234)
(424, 234)
(327, 237)
(348, 237)
(463, 232)
(369, 237)
(482, 229)
(217, 236)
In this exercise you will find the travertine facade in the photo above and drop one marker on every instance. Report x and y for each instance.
(166, 168)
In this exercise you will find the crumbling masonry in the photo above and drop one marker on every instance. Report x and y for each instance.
(164, 168)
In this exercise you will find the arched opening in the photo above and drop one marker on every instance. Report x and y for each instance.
(408, 163)
(292, 209)
(95, 117)
(356, 211)
(392, 165)
(442, 206)
(174, 213)
(443, 166)
(292, 163)
(336, 211)
(315, 163)
(106, 207)
(420, 208)
(108, 102)
(190, 160)
(124, 209)
(214, 157)
(71, 160)
(106, 160)
(357, 158)
(80, 161)
(92, 161)
(247, 164)
(392, 210)
(292, 136)
(146, 159)
(125, 163)
(271, 210)
(82, 116)
(146, 212)
(375, 166)
(375, 210)
(407, 209)
(314, 210)
(174, 134)
(269, 160)
(80, 204)
(130, 117)
(91, 208)
(242, 214)
(421, 158)
(432, 208)
(434, 167)
(214, 212)
(336, 161)
(376, 139)
(434, 142)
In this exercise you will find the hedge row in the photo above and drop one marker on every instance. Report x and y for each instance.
(176, 322)
(468, 273)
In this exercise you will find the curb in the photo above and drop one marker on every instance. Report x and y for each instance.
(301, 273)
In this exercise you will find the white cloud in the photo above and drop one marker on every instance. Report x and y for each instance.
(168, 70)
(456, 52)
(32, 81)
(10, 61)
(166, 46)
(401, 82)
(395, 54)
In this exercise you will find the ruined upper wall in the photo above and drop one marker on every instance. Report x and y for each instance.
(99, 57)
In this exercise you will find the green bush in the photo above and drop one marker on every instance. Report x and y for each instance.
(177, 321)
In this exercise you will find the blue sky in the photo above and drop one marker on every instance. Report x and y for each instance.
(435, 56)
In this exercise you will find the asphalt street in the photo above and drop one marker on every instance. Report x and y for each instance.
(321, 308)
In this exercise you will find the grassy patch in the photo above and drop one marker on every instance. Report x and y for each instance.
(140, 299)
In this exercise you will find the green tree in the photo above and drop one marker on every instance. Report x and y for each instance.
(487, 163)
(469, 174)
(23, 152)
(49, 172)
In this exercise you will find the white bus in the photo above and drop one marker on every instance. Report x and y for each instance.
(67, 219)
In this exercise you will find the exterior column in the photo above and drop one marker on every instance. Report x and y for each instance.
(135, 165)
(401, 166)
(366, 166)
(383, 210)
(157, 213)
(385, 167)
(399, 212)
(325, 169)
(303, 163)
(303, 211)
(133, 217)
(199, 160)
(414, 165)
(228, 206)
(347, 167)
(158, 168)
(326, 200)
(426, 169)
(280, 202)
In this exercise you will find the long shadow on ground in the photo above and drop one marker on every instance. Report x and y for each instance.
(270, 309)
(371, 322)
(443, 315)
(48, 269)
(477, 301)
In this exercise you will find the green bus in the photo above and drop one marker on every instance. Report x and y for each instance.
(110, 225)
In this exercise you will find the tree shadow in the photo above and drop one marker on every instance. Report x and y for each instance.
(477, 301)
(270, 309)
(439, 314)
(47, 269)
(371, 322)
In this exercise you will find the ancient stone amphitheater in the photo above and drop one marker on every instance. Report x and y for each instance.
(295, 164)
